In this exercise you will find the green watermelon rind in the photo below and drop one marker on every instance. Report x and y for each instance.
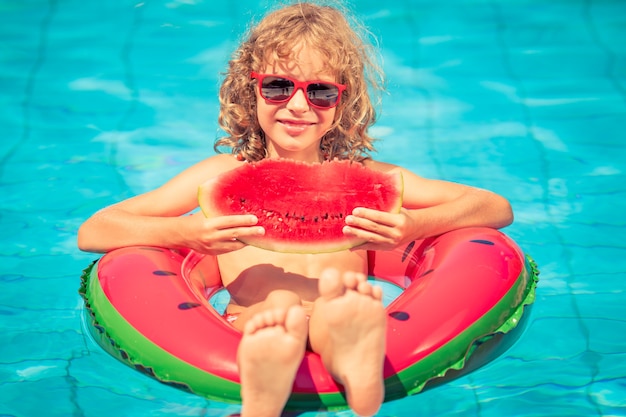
(288, 244)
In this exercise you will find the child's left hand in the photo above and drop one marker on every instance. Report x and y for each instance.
(381, 230)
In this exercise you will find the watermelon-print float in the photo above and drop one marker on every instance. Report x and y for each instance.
(462, 303)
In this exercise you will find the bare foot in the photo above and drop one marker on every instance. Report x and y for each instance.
(269, 355)
(355, 350)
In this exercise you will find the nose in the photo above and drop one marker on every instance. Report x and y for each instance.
(298, 101)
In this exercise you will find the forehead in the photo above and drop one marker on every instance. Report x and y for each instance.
(301, 62)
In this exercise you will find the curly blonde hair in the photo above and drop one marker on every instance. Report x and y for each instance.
(327, 30)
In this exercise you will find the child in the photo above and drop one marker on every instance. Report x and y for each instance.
(297, 88)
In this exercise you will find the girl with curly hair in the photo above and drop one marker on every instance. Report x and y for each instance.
(341, 53)
(298, 87)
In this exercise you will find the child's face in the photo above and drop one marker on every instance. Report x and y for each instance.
(294, 129)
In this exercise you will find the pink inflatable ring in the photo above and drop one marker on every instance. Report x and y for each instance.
(464, 293)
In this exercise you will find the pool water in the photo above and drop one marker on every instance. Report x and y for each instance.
(104, 100)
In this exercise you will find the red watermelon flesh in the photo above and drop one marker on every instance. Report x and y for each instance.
(301, 206)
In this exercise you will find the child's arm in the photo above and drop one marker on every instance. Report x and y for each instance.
(156, 218)
(430, 207)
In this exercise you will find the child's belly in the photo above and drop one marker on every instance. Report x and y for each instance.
(250, 274)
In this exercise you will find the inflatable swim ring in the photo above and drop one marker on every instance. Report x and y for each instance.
(463, 294)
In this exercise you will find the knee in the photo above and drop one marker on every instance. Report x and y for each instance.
(283, 298)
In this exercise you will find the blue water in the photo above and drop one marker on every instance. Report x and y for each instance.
(101, 100)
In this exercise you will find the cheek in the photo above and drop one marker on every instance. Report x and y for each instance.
(263, 111)
(330, 117)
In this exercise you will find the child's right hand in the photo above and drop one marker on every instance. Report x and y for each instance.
(218, 235)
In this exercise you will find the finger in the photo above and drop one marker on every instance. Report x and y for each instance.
(362, 234)
(373, 247)
(368, 225)
(370, 247)
(227, 222)
(376, 216)
(225, 247)
(236, 233)
(373, 241)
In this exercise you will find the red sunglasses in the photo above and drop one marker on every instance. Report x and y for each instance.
(279, 89)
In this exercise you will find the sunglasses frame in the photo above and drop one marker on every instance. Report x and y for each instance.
(298, 85)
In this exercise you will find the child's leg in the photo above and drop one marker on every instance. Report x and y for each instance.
(277, 299)
(270, 353)
(348, 329)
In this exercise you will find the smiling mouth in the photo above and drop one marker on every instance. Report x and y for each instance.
(296, 123)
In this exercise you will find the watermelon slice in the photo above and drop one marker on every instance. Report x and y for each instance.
(301, 206)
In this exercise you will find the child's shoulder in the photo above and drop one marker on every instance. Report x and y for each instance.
(407, 175)
(218, 163)
(380, 166)
(210, 167)
(221, 159)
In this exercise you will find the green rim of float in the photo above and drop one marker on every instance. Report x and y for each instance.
(423, 371)
(167, 369)
(119, 338)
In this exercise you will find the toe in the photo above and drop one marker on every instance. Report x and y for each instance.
(295, 322)
(365, 288)
(330, 284)
(377, 293)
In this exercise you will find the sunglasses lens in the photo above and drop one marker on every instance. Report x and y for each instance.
(322, 94)
(278, 90)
